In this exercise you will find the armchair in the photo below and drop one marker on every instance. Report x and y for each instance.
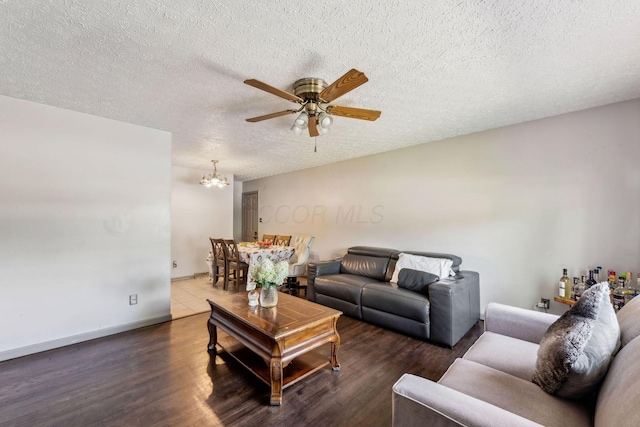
(298, 262)
(491, 385)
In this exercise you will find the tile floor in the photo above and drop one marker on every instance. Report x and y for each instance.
(189, 297)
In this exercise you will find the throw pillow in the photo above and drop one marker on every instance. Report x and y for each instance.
(576, 350)
(441, 267)
(416, 280)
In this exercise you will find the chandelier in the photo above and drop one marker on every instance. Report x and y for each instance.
(214, 178)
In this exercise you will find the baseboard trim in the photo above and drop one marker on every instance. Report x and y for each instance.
(74, 339)
(193, 276)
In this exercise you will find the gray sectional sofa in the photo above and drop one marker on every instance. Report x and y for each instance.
(359, 285)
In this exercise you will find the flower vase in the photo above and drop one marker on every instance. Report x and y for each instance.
(269, 296)
(253, 297)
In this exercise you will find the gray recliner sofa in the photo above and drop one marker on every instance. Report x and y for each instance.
(359, 286)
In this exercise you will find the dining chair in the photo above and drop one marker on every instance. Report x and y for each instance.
(298, 262)
(220, 266)
(271, 238)
(237, 270)
(282, 240)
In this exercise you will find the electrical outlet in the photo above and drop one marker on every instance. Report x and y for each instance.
(545, 302)
(175, 264)
(133, 299)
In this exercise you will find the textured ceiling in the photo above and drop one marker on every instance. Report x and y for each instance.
(436, 69)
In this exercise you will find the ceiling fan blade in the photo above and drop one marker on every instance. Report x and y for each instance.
(271, 116)
(354, 113)
(313, 126)
(272, 90)
(344, 84)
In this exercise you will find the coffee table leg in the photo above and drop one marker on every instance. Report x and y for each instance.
(213, 337)
(335, 346)
(276, 382)
(275, 367)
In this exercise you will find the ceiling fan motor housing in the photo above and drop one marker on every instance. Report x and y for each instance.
(309, 88)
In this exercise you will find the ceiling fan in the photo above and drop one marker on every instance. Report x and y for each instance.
(313, 95)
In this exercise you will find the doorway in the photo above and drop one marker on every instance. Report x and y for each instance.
(250, 216)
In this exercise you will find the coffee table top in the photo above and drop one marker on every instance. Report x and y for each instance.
(290, 315)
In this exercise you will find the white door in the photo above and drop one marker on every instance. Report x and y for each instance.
(250, 217)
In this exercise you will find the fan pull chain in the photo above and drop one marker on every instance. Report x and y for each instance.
(315, 142)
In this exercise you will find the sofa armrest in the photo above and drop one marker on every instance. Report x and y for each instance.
(321, 268)
(454, 307)
(516, 322)
(420, 402)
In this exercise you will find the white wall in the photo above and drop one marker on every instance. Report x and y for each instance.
(84, 223)
(517, 204)
(197, 213)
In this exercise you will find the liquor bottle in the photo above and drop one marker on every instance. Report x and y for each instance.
(618, 296)
(590, 281)
(627, 278)
(596, 274)
(612, 283)
(580, 288)
(612, 279)
(575, 283)
(564, 284)
(629, 290)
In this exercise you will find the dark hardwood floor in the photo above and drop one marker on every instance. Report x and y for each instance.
(163, 376)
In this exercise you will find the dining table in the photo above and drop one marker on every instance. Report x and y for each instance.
(253, 255)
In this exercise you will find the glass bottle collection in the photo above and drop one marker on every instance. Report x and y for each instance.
(622, 289)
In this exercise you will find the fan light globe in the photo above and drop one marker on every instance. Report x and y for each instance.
(325, 120)
(295, 129)
(302, 121)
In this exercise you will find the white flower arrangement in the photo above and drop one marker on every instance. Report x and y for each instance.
(268, 274)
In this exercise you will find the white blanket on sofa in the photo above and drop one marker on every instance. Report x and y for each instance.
(441, 267)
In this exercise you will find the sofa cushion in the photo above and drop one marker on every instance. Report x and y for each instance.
(347, 287)
(576, 350)
(628, 318)
(386, 298)
(416, 280)
(617, 403)
(365, 266)
(506, 354)
(514, 395)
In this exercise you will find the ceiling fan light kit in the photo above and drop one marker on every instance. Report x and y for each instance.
(214, 178)
(313, 95)
(301, 121)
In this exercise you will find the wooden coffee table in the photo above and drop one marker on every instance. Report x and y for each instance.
(275, 343)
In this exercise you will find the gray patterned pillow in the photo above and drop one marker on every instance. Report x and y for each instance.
(576, 350)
